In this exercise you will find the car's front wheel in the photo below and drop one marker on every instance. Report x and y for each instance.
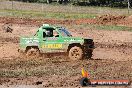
(75, 53)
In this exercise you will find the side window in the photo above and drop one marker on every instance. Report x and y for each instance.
(62, 32)
(48, 33)
(55, 33)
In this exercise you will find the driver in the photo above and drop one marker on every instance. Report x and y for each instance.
(48, 33)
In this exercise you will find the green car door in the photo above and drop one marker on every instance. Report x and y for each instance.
(52, 43)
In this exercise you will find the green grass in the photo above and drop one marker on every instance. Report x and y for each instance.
(36, 14)
(102, 27)
(66, 9)
(113, 27)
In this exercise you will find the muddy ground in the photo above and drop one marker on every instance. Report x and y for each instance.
(111, 59)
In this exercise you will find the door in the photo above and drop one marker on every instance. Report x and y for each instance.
(52, 43)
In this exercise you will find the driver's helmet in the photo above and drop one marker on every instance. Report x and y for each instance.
(48, 33)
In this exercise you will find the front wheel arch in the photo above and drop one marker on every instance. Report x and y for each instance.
(74, 44)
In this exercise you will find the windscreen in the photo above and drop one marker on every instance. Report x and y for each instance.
(64, 32)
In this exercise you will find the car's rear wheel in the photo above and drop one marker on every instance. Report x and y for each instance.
(33, 52)
(75, 53)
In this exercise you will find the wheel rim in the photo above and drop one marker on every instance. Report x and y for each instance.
(75, 54)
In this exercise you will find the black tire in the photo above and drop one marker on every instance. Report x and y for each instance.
(33, 52)
(85, 82)
(88, 54)
(75, 53)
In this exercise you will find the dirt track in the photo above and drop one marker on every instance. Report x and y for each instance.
(111, 59)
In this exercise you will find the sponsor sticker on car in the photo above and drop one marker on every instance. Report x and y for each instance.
(52, 46)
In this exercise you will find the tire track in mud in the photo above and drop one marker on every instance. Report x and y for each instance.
(119, 46)
(67, 74)
(38, 22)
(117, 52)
(9, 39)
(8, 47)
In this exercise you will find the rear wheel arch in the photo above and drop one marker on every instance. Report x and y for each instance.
(29, 47)
(32, 51)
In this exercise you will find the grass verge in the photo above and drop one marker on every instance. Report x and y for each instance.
(103, 27)
(36, 14)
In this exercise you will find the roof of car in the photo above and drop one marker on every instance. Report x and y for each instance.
(47, 26)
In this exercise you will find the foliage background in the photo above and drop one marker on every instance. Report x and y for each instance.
(108, 3)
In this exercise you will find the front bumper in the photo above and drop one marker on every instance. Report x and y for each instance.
(89, 47)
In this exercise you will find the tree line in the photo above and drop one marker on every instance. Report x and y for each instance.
(110, 3)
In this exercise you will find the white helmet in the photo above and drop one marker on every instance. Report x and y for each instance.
(48, 33)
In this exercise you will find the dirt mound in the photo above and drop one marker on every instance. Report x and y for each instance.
(127, 21)
(104, 19)
(7, 28)
(38, 22)
(109, 19)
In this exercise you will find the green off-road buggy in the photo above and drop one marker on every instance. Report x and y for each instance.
(51, 39)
